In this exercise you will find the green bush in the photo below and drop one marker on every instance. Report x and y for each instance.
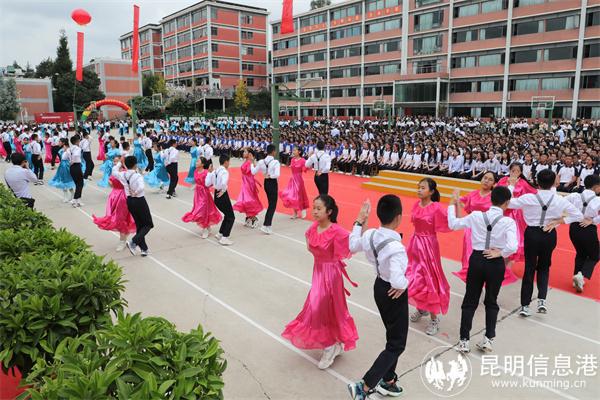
(137, 358)
(40, 241)
(14, 215)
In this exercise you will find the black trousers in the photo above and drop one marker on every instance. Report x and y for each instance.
(139, 210)
(77, 176)
(394, 314)
(38, 166)
(482, 272)
(29, 202)
(585, 241)
(89, 164)
(322, 182)
(539, 246)
(150, 158)
(271, 189)
(55, 150)
(8, 149)
(223, 203)
(173, 178)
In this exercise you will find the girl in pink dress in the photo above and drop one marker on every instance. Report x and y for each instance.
(205, 212)
(248, 201)
(325, 322)
(477, 200)
(48, 147)
(518, 185)
(101, 153)
(428, 288)
(18, 144)
(294, 195)
(117, 216)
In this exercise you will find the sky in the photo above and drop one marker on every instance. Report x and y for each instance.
(29, 29)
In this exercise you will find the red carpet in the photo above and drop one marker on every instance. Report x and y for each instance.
(349, 195)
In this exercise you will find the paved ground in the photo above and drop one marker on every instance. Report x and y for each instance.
(246, 293)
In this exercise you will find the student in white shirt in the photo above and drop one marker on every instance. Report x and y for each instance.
(133, 182)
(36, 158)
(494, 238)
(6, 144)
(271, 169)
(147, 146)
(55, 144)
(220, 179)
(321, 163)
(75, 170)
(542, 212)
(384, 250)
(87, 155)
(584, 235)
(17, 178)
(170, 159)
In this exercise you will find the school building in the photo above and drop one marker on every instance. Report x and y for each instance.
(34, 96)
(442, 57)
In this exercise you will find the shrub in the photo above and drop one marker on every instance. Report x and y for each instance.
(40, 241)
(137, 358)
(14, 215)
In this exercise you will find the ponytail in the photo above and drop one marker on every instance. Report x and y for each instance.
(435, 195)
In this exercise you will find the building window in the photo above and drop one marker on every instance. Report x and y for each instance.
(425, 66)
(170, 42)
(246, 19)
(170, 56)
(183, 37)
(464, 36)
(344, 52)
(592, 18)
(276, 29)
(461, 87)
(560, 53)
(170, 70)
(247, 35)
(525, 85)
(169, 26)
(489, 86)
(423, 3)
(285, 44)
(185, 67)
(246, 51)
(247, 67)
(314, 57)
(525, 56)
(250, 82)
(199, 33)
(591, 50)
(492, 32)
(383, 26)
(463, 62)
(432, 20)
(349, 11)
(491, 59)
(590, 82)
(345, 32)
(214, 31)
(527, 28)
(562, 23)
(427, 45)
(215, 63)
(214, 13)
(214, 47)
(285, 61)
(200, 65)
(556, 83)
(313, 20)
(183, 21)
(200, 49)
(198, 15)
(184, 52)
(312, 39)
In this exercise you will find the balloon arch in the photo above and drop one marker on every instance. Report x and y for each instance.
(95, 105)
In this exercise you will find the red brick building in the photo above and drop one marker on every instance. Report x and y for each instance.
(151, 54)
(34, 96)
(117, 81)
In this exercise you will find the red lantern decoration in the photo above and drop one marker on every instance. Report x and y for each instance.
(81, 17)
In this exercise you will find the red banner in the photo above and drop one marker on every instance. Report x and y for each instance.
(136, 39)
(79, 70)
(287, 19)
(51, 117)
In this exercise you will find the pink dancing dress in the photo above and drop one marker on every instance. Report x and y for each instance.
(18, 145)
(2, 151)
(472, 202)
(101, 154)
(325, 319)
(428, 288)
(205, 212)
(48, 147)
(117, 216)
(522, 187)
(248, 201)
(294, 195)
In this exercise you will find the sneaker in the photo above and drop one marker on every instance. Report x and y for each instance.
(122, 245)
(525, 311)
(80, 204)
(434, 327)
(266, 229)
(356, 391)
(168, 196)
(224, 241)
(248, 222)
(416, 316)
(294, 216)
(329, 355)
(463, 346)
(144, 253)
(542, 308)
(254, 223)
(578, 282)
(36, 183)
(174, 194)
(89, 178)
(131, 246)
(204, 234)
(389, 389)
(74, 203)
(303, 214)
(218, 236)
(485, 345)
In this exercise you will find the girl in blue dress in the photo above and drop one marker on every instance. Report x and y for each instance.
(62, 179)
(194, 154)
(139, 154)
(107, 166)
(27, 150)
(158, 178)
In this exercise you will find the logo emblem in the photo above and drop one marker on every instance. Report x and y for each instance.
(445, 372)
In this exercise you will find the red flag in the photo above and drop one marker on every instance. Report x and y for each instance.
(287, 19)
(136, 39)
(79, 70)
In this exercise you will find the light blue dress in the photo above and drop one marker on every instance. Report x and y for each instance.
(62, 179)
(190, 176)
(139, 154)
(158, 177)
(107, 166)
(28, 156)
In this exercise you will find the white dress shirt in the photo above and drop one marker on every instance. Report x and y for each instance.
(566, 174)
(593, 204)
(85, 145)
(146, 143)
(170, 156)
(132, 181)
(503, 235)
(75, 154)
(532, 210)
(18, 179)
(269, 167)
(36, 148)
(219, 179)
(392, 258)
(207, 151)
(320, 162)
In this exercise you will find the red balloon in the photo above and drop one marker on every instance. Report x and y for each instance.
(81, 17)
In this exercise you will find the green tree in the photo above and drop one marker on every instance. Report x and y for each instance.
(144, 108)
(314, 4)
(15, 65)
(241, 99)
(153, 84)
(28, 72)
(180, 105)
(45, 69)
(69, 91)
(63, 64)
(260, 102)
(9, 105)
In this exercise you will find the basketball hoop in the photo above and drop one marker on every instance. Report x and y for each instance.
(379, 106)
(541, 104)
(312, 84)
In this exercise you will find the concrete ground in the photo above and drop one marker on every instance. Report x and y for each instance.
(245, 295)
